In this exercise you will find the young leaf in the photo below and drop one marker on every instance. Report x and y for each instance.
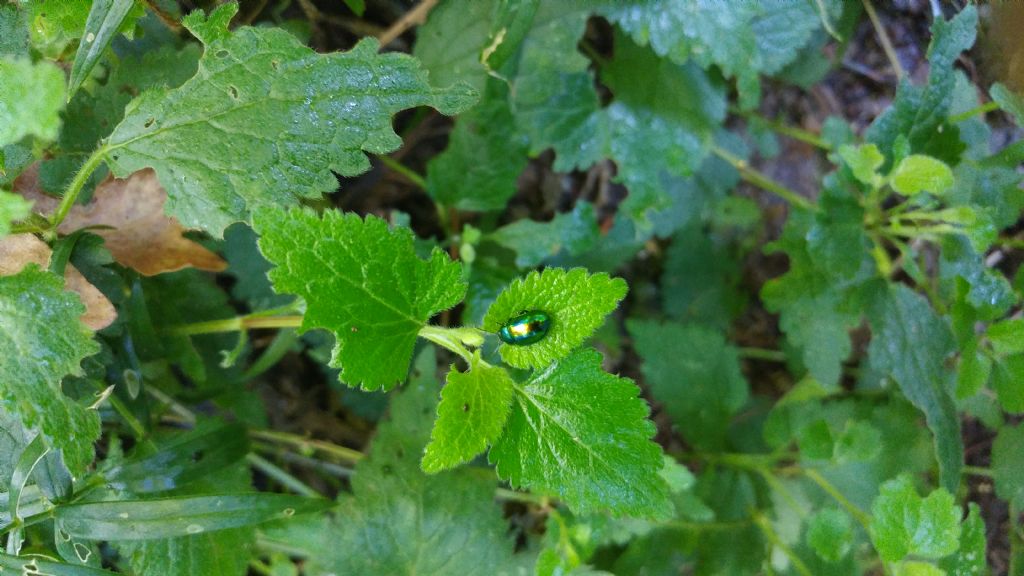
(1009, 101)
(105, 18)
(31, 98)
(577, 303)
(830, 534)
(44, 342)
(970, 558)
(12, 209)
(1007, 336)
(903, 523)
(583, 434)
(695, 374)
(744, 40)
(179, 516)
(864, 161)
(1007, 462)
(472, 413)
(917, 173)
(911, 343)
(362, 281)
(399, 519)
(250, 130)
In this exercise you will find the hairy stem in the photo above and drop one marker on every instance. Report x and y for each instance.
(761, 181)
(75, 188)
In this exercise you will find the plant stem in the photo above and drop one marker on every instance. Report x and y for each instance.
(308, 444)
(409, 173)
(762, 354)
(982, 109)
(761, 181)
(408, 20)
(884, 40)
(831, 490)
(793, 132)
(977, 471)
(238, 324)
(75, 188)
(281, 476)
(769, 533)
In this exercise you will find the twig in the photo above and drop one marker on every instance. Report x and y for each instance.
(884, 40)
(417, 15)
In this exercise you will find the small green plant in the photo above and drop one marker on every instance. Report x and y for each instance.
(496, 393)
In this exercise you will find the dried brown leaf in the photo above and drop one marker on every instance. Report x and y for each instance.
(20, 250)
(138, 234)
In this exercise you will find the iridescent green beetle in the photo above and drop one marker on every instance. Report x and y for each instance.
(525, 328)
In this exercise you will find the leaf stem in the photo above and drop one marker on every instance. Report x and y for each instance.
(805, 136)
(762, 354)
(70, 196)
(977, 471)
(769, 533)
(281, 476)
(408, 20)
(982, 109)
(308, 444)
(761, 181)
(831, 490)
(884, 40)
(238, 324)
(410, 174)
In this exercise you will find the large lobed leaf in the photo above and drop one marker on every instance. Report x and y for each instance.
(31, 97)
(266, 120)
(43, 341)
(363, 282)
(583, 434)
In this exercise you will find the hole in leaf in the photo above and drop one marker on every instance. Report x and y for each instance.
(83, 552)
(233, 91)
(465, 407)
(198, 455)
(149, 122)
(221, 54)
(273, 64)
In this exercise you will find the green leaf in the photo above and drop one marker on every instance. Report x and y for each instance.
(914, 568)
(186, 458)
(830, 534)
(1008, 382)
(485, 155)
(472, 413)
(249, 268)
(12, 208)
(45, 341)
(595, 455)
(13, 30)
(222, 552)
(56, 24)
(695, 374)
(859, 441)
(864, 161)
(105, 18)
(31, 564)
(449, 43)
(1007, 462)
(700, 280)
(917, 173)
(903, 523)
(919, 113)
(970, 558)
(576, 301)
(180, 516)
(399, 519)
(1007, 336)
(534, 242)
(266, 120)
(742, 40)
(1009, 101)
(663, 119)
(362, 281)
(31, 98)
(911, 343)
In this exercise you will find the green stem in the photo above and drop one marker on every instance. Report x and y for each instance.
(766, 528)
(281, 476)
(308, 444)
(793, 132)
(238, 324)
(75, 188)
(702, 526)
(981, 109)
(446, 338)
(884, 40)
(122, 410)
(763, 354)
(977, 471)
(831, 490)
(761, 181)
(409, 174)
